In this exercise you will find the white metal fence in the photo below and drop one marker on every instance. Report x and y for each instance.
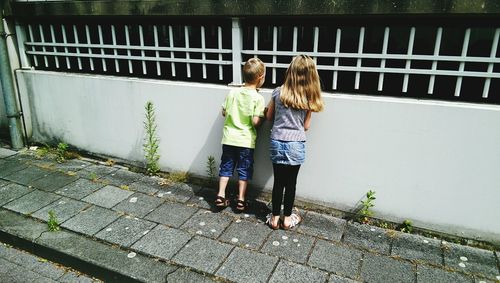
(457, 63)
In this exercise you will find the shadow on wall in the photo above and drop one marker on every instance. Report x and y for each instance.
(262, 165)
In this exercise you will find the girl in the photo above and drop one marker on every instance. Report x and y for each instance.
(290, 110)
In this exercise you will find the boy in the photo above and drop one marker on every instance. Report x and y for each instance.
(243, 110)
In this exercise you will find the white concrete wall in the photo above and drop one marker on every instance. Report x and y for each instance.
(435, 163)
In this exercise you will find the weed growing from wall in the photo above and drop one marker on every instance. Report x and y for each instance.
(406, 226)
(152, 142)
(211, 170)
(367, 204)
(61, 151)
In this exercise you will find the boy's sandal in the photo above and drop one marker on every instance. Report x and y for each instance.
(221, 201)
(269, 222)
(295, 220)
(241, 205)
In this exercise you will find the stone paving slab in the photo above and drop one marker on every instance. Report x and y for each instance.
(206, 223)
(163, 242)
(125, 231)
(136, 266)
(72, 277)
(376, 268)
(339, 279)
(367, 237)
(186, 275)
(172, 214)
(178, 192)
(96, 170)
(32, 202)
(53, 181)
(91, 221)
(203, 254)
(8, 167)
(147, 184)
(335, 257)
(289, 245)
(63, 208)
(10, 272)
(204, 198)
(291, 272)
(325, 226)
(429, 274)
(138, 205)
(11, 192)
(3, 183)
(79, 188)
(470, 260)
(483, 280)
(72, 165)
(6, 152)
(418, 248)
(27, 175)
(31, 262)
(248, 234)
(247, 266)
(20, 226)
(121, 177)
(107, 196)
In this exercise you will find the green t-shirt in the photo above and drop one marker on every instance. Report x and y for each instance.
(241, 105)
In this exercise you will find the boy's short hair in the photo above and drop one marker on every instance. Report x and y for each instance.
(253, 69)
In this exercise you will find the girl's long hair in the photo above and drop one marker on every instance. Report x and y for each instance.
(301, 89)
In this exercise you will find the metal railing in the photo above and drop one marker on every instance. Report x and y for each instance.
(428, 61)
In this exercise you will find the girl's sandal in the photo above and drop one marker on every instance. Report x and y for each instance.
(295, 220)
(269, 222)
(222, 202)
(241, 205)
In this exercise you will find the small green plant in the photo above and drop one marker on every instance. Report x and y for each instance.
(367, 204)
(406, 226)
(93, 176)
(52, 223)
(152, 141)
(211, 170)
(42, 151)
(61, 150)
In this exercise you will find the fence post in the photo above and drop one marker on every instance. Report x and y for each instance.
(237, 42)
(21, 39)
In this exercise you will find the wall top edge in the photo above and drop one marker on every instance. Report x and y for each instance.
(267, 92)
(250, 7)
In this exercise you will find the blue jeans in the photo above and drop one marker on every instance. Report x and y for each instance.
(287, 152)
(239, 157)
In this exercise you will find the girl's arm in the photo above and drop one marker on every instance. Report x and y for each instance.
(270, 110)
(307, 121)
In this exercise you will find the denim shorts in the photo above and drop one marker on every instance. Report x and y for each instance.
(239, 157)
(287, 152)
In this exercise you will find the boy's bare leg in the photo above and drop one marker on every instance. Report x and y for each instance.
(222, 186)
(242, 187)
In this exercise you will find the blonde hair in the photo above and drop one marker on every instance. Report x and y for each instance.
(301, 89)
(252, 70)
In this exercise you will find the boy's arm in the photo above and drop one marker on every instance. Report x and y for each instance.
(259, 111)
(256, 121)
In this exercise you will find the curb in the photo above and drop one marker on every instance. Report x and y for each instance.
(96, 267)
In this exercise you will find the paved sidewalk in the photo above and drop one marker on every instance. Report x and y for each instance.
(122, 226)
(20, 266)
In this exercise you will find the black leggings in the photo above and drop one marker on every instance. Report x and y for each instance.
(285, 178)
